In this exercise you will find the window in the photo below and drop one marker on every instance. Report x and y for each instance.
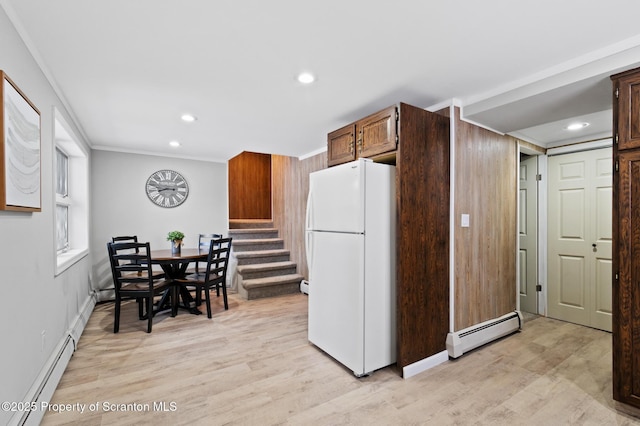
(63, 201)
(72, 199)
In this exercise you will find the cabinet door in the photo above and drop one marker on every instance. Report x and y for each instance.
(626, 294)
(628, 128)
(340, 145)
(377, 133)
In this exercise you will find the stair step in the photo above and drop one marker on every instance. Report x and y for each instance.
(261, 256)
(272, 286)
(250, 223)
(253, 233)
(262, 270)
(258, 244)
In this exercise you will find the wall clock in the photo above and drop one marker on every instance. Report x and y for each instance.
(167, 188)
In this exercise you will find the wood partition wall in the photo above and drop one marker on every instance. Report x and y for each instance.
(485, 253)
(422, 235)
(290, 182)
(250, 186)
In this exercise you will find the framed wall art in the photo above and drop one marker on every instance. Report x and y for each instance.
(20, 177)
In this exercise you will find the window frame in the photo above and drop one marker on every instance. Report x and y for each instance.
(77, 199)
(62, 199)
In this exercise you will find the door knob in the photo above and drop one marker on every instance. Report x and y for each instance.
(595, 247)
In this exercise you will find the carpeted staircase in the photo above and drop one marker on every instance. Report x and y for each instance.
(264, 268)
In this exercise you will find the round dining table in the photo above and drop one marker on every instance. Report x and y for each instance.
(175, 266)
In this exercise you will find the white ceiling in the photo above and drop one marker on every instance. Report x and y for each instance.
(128, 69)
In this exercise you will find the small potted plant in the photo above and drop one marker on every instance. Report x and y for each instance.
(176, 238)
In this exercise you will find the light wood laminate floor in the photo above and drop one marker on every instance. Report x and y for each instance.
(253, 365)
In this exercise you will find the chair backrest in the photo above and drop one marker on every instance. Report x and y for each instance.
(204, 240)
(125, 239)
(130, 263)
(218, 260)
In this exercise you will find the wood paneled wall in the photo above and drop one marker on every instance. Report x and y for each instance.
(485, 252)
(290, 183)
(250, 186)
(422, 188)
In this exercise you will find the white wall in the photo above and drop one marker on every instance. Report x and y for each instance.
(120, 206)
(38, 308)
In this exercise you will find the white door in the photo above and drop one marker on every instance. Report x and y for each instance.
(528, 230)
(580, 203)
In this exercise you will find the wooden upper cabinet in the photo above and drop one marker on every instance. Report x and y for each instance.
(371, 136)
(627, 89)
(377, 133)
(341, 145)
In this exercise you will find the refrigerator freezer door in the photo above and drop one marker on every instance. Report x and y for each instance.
(336, 297)
(336, 199)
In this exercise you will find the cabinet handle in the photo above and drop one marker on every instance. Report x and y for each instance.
(360, 142)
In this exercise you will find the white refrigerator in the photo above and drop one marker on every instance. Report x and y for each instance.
(351, 254)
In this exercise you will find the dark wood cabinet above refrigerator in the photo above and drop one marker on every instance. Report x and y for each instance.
(372, 136)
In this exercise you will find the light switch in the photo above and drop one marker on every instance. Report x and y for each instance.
(464, 222)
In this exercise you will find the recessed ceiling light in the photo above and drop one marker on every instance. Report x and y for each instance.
(174, 144)
(188, 118)
(306, 78)
(577, 126)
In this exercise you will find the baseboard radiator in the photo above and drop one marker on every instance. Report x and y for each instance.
(49, 377)
(304, 287)
(470, 338)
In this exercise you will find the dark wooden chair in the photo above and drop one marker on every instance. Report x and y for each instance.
(215, 273)
(134, 239)
(204, 241)
(133, 279)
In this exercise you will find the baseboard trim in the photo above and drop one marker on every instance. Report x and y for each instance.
(47, 381)
(424, 364)
(80, 321)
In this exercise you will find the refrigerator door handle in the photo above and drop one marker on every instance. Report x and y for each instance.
(307, 247)
(308, 236)
(308, 213)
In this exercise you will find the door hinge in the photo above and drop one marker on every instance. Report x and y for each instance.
(538, 177)
(617, 93)
(616, 276)
(616, 138)
(538, 287)
(617, 165)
